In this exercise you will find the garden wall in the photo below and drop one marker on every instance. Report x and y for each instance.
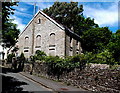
(94, 77)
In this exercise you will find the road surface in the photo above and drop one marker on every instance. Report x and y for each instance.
(15, 82)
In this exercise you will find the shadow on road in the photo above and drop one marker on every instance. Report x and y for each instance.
(7, 70)
(11, 84)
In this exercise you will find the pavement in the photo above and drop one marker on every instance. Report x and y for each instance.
(57, 87)
(13, 82)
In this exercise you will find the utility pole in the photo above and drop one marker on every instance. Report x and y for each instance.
(39, 7)
(33, 30)
(34, 11)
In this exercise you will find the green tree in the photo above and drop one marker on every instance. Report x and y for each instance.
(71, 16)
(6, 11)
(96, 39)
(10, 34)
(118, 32)
(83, 24)
(114, 46)
(9, 30)
(64, 12)
(105, 57)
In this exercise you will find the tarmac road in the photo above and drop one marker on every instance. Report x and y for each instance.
(15, 82)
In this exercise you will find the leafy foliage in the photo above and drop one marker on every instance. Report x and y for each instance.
(83, 24)
(57, 65)
(100, 45)
(54, 65)
(114, 46)
(95, 39)
(10, 34)
(39, 55)
(104, 57)
(21, 60)
(15, 49)
(9, 30)
(9, 57)
(22, 57)
(71, 16)
(7, 10)
(64, 12)
(118, 32)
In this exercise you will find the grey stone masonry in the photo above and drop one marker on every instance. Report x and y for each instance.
(45, 34)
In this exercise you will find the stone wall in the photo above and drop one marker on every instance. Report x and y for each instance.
(28, 43)
(44, 29)
(94, 78)
(73, 47)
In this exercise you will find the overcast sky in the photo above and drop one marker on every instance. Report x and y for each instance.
(104, 13)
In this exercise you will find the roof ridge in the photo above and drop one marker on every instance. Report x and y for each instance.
(51, 19)
(63, 27)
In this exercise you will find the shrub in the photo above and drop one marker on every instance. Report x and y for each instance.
(72, 62)
(75, 58)
(22, 57)
(9, 57)
(104, 57)
(54, 65)
(57, 65)
(21, 61)
(39, 55)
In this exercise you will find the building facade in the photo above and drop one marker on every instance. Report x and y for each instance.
(45, 34)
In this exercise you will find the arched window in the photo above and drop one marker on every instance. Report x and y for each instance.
(38, 41)
(76, 42)
(52, 39)
(52, 44)
(71, 47)
(78, 47)
(26, 41)
(39, 21)
(71, 42)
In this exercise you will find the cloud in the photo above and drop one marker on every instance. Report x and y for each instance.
(20, 8)
(23, 14)
(44, 5)
(18, 21)
(41, 5)
(69, 0)
(103, 16)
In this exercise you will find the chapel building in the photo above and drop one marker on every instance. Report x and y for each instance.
(45, 34)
